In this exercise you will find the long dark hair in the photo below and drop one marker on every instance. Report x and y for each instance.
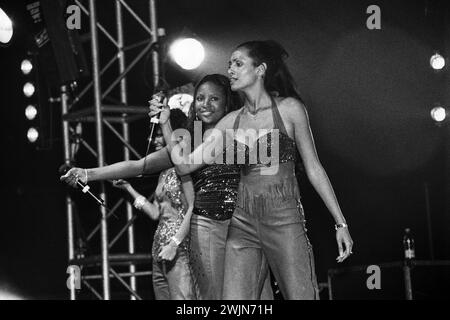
(232, 101)
(277, 80)
(178, 119)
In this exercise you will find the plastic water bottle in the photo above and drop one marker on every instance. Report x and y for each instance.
(408, 245)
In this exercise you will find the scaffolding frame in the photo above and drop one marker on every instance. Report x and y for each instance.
(104, 115)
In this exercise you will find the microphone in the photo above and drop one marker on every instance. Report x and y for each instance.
(84, 187)
(154, 120)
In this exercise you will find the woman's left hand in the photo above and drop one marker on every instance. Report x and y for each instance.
(157, 107)
(343, 238)
(168, 252)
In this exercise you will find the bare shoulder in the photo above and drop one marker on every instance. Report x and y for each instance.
(292, 109)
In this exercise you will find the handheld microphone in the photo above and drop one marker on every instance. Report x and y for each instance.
(154, 120)
(84, 187)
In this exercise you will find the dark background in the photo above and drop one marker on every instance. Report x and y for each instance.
(368, 94)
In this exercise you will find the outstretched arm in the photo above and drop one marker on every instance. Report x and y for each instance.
(215, 141)
(154, 162)
(316, 173)
(186, 162)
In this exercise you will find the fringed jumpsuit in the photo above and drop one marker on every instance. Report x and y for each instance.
(268, 227)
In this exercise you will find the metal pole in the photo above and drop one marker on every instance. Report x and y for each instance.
(135, 16)
(101, 28)
(155, 54)
(407, 279)
(128, 69)
(126, 136)
(430, 229)
(100, 145)
(69, 203)
(330, 290)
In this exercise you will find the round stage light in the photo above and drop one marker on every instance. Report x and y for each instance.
(6, 28)
(28, 89)
(187, 53)
(32, 135)
(31, 112)
(438, 114)
(26, 66)
(437, 61)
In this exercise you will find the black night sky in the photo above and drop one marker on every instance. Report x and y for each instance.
(368, 92)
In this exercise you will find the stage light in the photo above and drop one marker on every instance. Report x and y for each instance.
(188, 53)
(31, 112)
(32, 135)
(6, 28)
(438, 114)
(26, 66)
(28, 89)
(437, 61)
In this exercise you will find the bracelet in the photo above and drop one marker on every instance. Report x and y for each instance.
(139, 202)
(340, 225)
(177, 242)
(85, 172)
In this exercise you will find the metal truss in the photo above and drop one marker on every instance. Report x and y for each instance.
(103, 116)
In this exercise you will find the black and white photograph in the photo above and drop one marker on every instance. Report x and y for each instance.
(235, 154)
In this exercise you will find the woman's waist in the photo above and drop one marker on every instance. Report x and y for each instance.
(216, 211)
(284, 190)
(267, 174)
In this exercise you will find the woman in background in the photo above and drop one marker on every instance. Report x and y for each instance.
(172, 205)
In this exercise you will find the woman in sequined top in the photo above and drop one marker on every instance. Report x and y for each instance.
(268, 225)
(172, 206)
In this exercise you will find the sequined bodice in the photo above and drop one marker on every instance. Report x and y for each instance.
(261, 152)
(216, 190)
(170, 197)
(266, 146)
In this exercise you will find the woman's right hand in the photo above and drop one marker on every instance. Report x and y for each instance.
(73, 175)
(121, 184)
(157, 107)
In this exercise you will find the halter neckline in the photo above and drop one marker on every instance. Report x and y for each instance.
(277, 120)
